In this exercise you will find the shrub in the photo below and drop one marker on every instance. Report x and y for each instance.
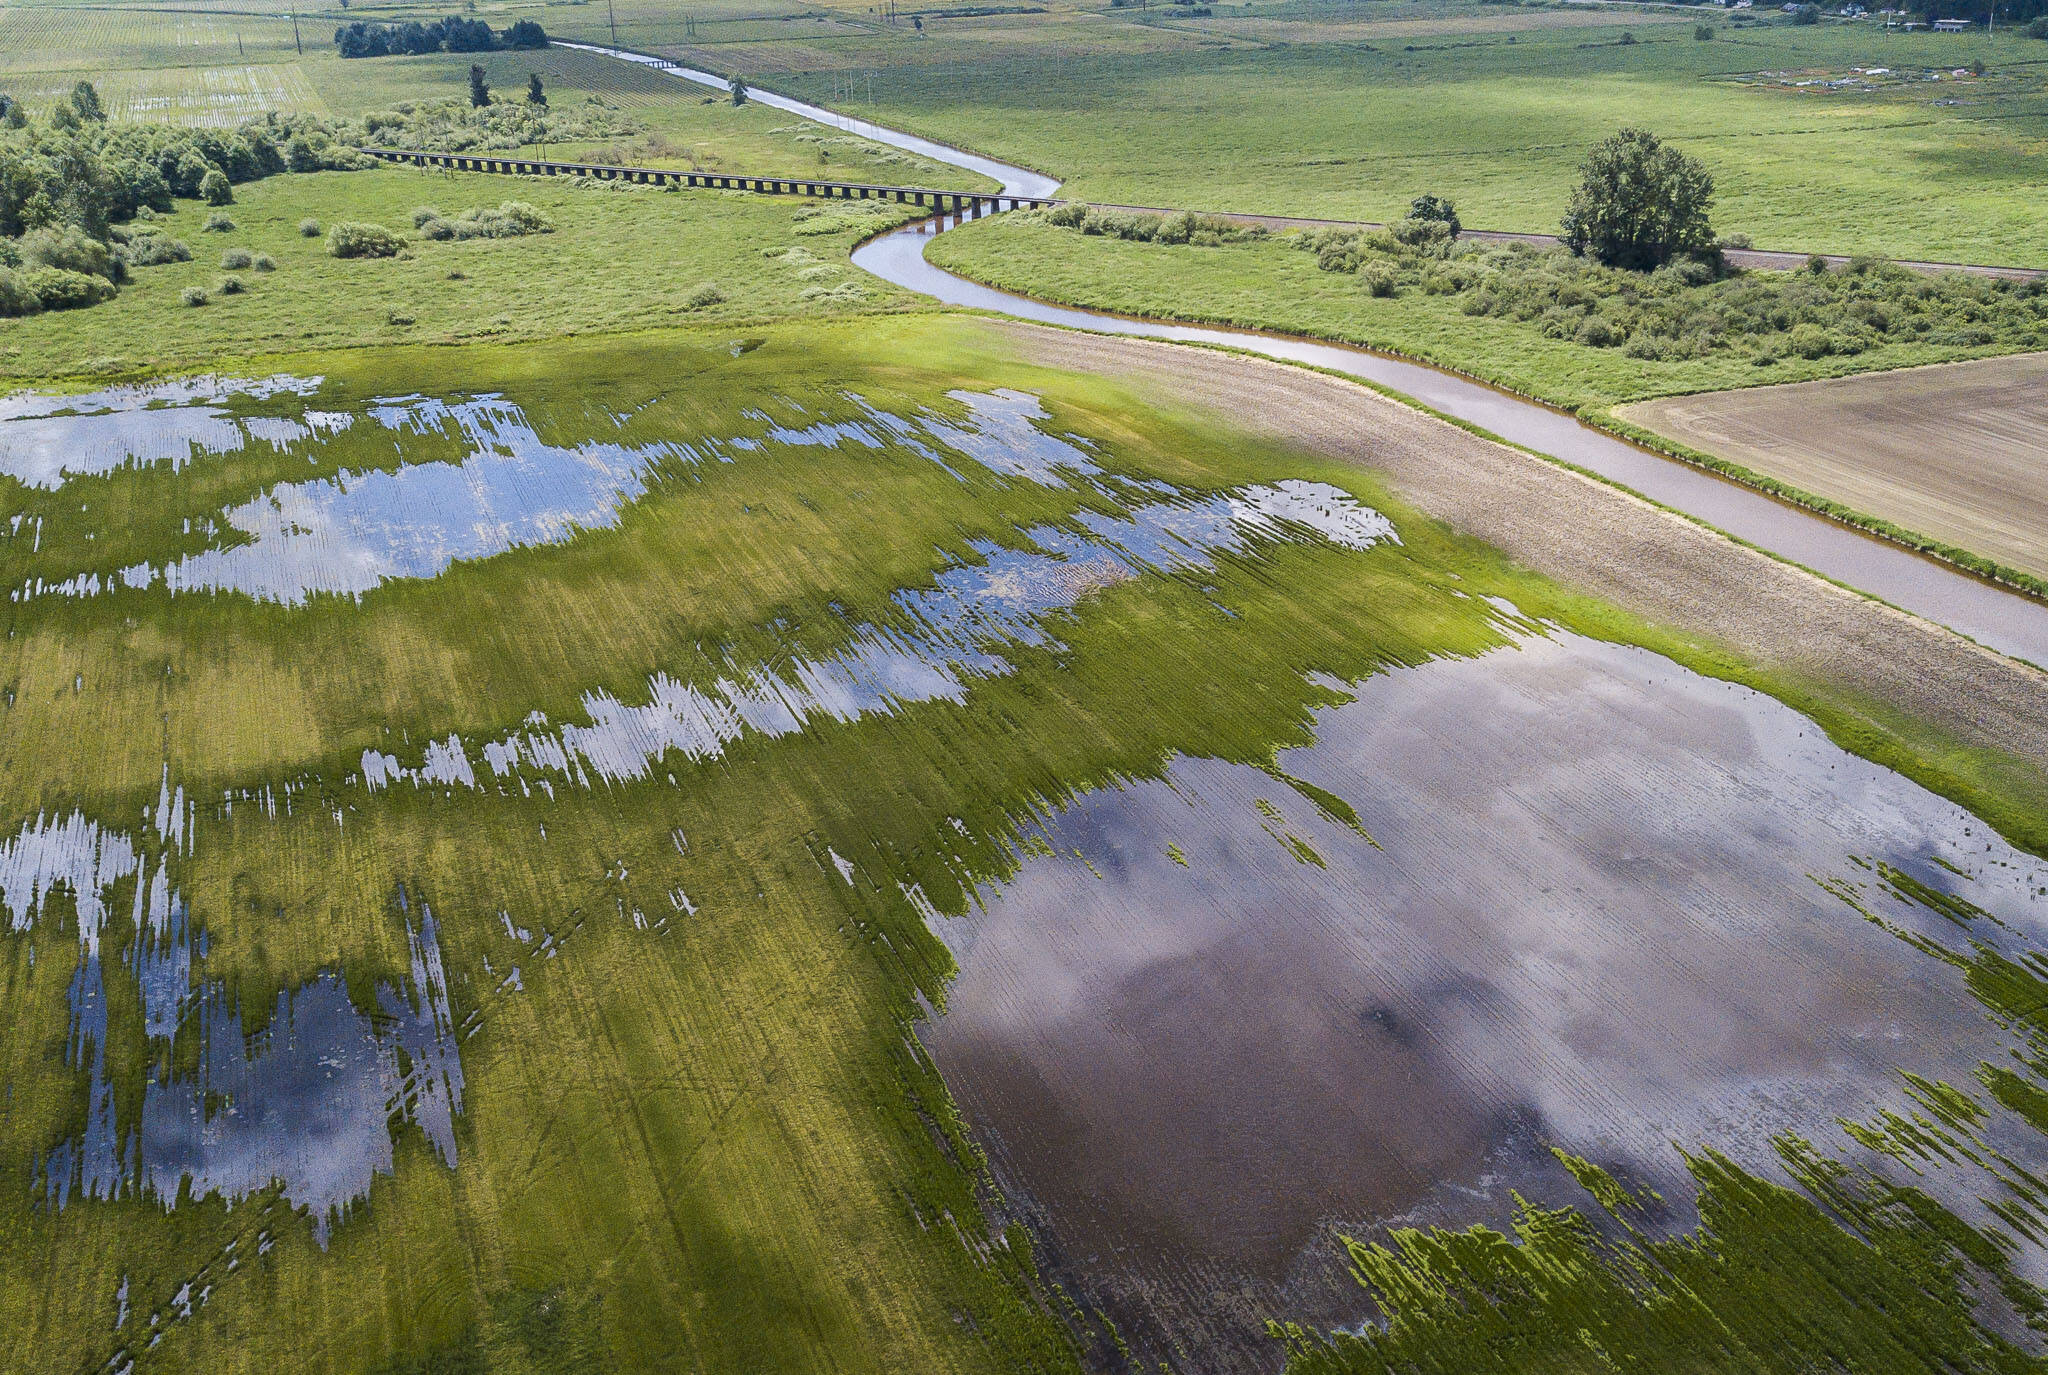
(1639, 204)
(230, 286)
(509, 220)
(236, 258)
(1595, 332)
(2037, 29)
(309, 228)
(218, 223)
(353, 239)
(1817, 264)
(264, 263)
(1703, 32)
(193, 295)
(214, 188)
(150, 250)
(422, 213)
(702, 295)
(60, 288)
(1068, 215)
(1438, 209)
(1427, 236)
(1379, 279)
(68, 249)
(17, 297)
(1809, 340)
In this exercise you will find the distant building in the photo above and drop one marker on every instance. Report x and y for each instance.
(1954, 25)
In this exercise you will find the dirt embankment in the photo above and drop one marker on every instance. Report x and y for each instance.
(1956, 451)
(1598, 539)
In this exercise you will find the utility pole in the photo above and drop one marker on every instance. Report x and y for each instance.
(612, 15)
(295, 34)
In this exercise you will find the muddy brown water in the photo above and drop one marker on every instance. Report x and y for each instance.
(1590, 919)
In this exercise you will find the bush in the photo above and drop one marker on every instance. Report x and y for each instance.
(68, 249)
(509, 220)
(1703, 32)
(1639, 204)
(214, 188)
(230, 286)
(1809, 340)
(309, 228)
(1426, 236)
(59, 288)
(264, 263)
(353, 239)
(1595, 332)
(218, 223)
(17, 297)
(1379, 279)
(2037, 29)
(193, 295)
(151, 250)
(702, 295)
(1438, 209)
(236, 258)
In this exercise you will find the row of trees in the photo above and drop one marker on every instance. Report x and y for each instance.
(451, 35)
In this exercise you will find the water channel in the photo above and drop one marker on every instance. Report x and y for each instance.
(2009, 622)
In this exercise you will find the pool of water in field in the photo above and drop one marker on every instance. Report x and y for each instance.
(1560, 894)
(1606, 904)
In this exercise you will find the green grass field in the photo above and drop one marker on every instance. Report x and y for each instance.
(618, 259)
(1952, 170)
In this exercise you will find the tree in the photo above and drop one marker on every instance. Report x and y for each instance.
(479, 89)
(214, 188)
(739, 90)
(85, 103)
(526, 34)
(1436, 208)
(535, 95)
(1640, 204)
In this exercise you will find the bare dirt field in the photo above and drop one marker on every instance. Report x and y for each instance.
(1958, 451)
(1602, 540)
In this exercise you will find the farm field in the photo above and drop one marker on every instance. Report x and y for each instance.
(1954, 451)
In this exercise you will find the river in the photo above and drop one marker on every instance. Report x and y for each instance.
(2007, 621)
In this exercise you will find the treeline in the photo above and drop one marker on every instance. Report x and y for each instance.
(453, 34)
(71, 183)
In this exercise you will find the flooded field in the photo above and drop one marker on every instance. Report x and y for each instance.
(1580, 898)
(723, 853)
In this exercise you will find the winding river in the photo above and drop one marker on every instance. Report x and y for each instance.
(2007, 621)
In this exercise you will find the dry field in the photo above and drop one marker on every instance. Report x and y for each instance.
(1955, 451)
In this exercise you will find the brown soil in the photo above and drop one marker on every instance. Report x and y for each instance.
(1954, 451)
(1600, 540)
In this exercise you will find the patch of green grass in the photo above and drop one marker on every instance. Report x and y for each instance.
(602, 269)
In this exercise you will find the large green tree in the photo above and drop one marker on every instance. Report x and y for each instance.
(1640, 204)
